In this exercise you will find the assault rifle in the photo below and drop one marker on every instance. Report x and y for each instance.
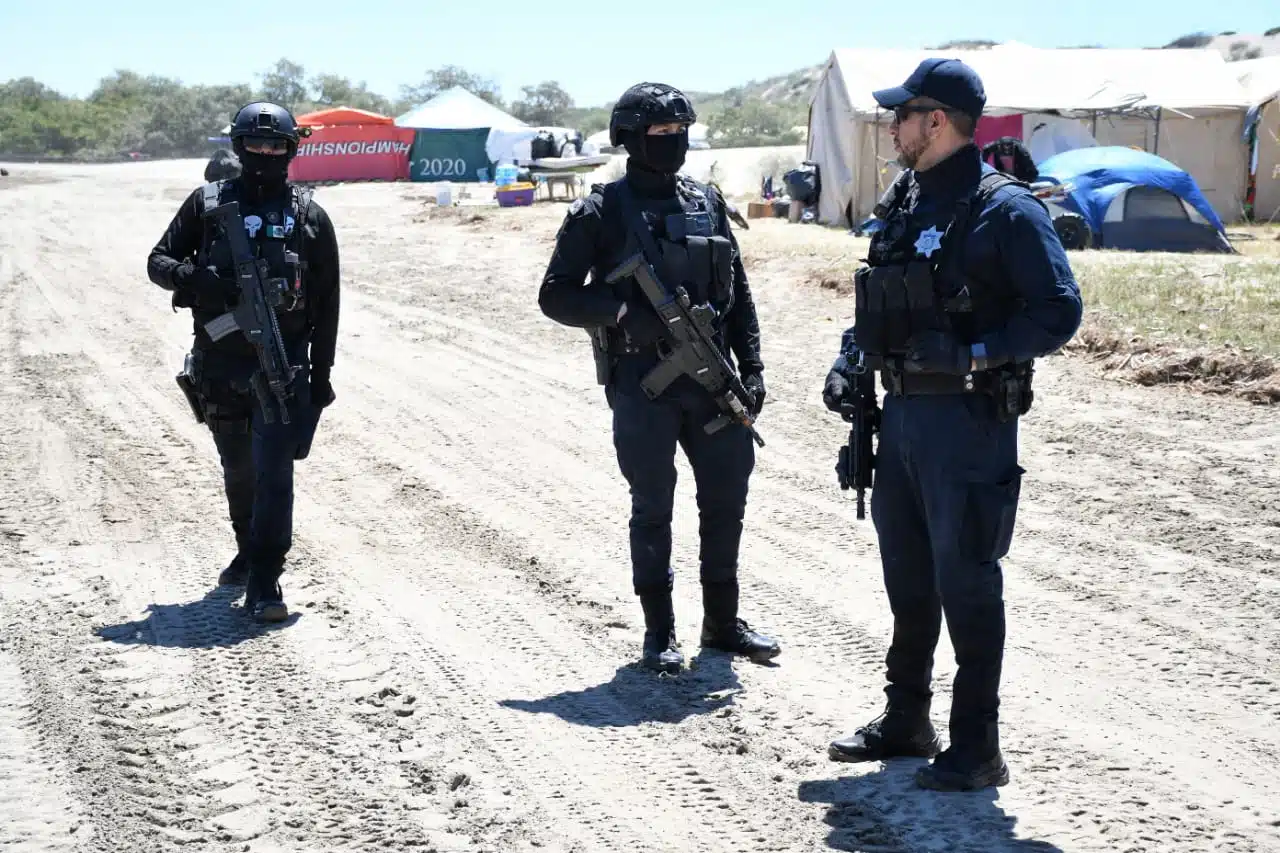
(693, 349)
(254, 314)
(857, 458)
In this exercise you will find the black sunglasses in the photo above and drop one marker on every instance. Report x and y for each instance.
(900, 114)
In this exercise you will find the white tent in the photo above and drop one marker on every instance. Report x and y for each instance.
(1184, 105)
(1261, 81)
(459, 135)
(1259, 77)
(457, 109)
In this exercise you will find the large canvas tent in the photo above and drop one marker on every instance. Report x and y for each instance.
(1261, 81)
(451, 136)
(348, 144)
(1185, 105)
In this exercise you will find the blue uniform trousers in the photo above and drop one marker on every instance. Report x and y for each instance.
(943, 504)
(645, 435)
(257, 468)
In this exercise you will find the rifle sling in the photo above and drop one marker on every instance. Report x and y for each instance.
(635, 222)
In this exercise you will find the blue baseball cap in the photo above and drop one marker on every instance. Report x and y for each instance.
(947, 81)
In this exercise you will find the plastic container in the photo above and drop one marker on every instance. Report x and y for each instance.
(515, 195)
(505, 174)
(444, 195)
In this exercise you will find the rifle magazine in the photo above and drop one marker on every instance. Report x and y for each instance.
(219, 327)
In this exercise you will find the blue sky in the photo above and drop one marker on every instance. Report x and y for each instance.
(71, 44)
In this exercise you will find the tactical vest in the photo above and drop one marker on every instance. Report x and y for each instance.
(914, 279)
(679, 239)
(275, 232)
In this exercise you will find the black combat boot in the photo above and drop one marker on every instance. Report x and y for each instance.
(972, 761)
(897, 733)
(723, 630)
(660, 652)
(263, 598)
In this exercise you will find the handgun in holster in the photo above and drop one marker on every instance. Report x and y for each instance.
(600, 353)
(188, 382)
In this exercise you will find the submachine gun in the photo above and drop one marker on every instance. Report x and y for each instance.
(857, 458)
(254, 314)
(693, 351)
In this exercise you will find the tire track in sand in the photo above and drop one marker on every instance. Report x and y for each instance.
(251, 750)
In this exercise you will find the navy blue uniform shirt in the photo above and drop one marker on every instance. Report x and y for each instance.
(1011, 245)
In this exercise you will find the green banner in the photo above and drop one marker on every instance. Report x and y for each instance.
(450, 155)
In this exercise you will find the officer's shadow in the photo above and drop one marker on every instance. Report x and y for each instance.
(886, 810)
(637, 695)
(215, 621)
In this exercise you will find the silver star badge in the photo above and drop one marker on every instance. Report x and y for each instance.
(929, 241)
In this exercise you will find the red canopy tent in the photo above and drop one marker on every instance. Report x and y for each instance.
(342, 116)
(347, 144)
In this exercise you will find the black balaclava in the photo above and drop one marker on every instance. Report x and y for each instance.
(663, 154)
(265, 174)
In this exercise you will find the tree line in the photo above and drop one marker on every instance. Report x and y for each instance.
(157, 116)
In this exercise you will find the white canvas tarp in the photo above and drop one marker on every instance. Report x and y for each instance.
(1259, 77)
(1017, 78)
(1050, 135)
(458, 109)
(1199, 100)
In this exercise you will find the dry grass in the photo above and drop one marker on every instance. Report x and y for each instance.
(1212, 369)
(1196, 301)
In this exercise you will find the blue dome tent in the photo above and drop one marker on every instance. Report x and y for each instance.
(1134, 200)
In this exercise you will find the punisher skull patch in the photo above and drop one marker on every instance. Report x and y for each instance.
(929, 241)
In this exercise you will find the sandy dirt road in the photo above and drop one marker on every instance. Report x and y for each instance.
(459, 676)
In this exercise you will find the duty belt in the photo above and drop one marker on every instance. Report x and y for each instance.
(901, 384)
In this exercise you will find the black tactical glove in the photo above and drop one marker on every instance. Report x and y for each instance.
(642, 324)
(937, 352)
(321, 391)
(754, 383)
(202, 287)
(836, 389)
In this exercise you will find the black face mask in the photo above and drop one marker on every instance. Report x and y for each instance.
(264, 172)
(663, 153)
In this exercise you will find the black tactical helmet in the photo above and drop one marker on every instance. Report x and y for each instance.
(263, 119)
(646, 104)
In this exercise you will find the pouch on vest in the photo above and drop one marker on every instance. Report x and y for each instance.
(682, 226)
(721, 268)
(891, 304)
(700, 264)
(678, 269)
